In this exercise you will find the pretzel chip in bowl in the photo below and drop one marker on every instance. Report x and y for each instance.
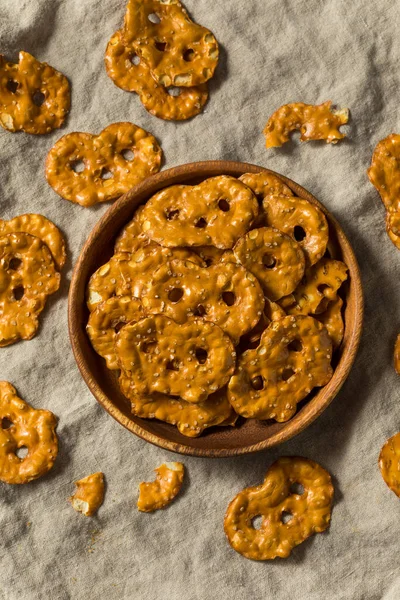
(333, 320)
(294, 501)
(24, 427)
(27, 276)
(274, 258)
(189, 360)
(34, 97)
(88, 169)
(159, 493)
(214, 213)
(272, 312)
(315, 122)
(129, 72)
(177, 51)
(389, 463)
(292, 358)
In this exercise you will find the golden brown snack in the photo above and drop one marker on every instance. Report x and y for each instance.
(389, 463)
(397, 355)
(131, 238)
(274, 258)
(24, 427)
(315, 122)
(209, 254)
(159, 493)
(393, 227)
(105, 322)
(300, 219)
(34, 97)
(384, 172)
(214, 213)
(294, 501)
(129, 72)
(177, 50)
(88, 169)
(190, 360)
(319, 286)
(264, 185)
(226, 295)
(42, 228)
(292, 358)
(190, 419)
(333, 320)
(89, 495)
(27, 277)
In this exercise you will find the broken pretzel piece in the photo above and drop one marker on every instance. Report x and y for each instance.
(389, 463)
(89, 494)
(159, 493)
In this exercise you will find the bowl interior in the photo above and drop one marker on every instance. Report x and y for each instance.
(249, 435)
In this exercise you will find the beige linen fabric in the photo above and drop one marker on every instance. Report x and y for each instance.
(273, 52)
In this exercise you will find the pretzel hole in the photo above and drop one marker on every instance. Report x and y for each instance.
(189, 55)
(174, 91)
(38, 98)
(18, 292)
(135, 59)
(256, 522)
(201, 223)
(172, 214)
(160, 46)
(223, 205)
(199, 311)
(257, 383)
(153, 18)
(201, 355)
(78, 166)
(299, 233)
(286, 517)
(175, 295)
(268, 261)
(22, 452)
(6, 423)
(229, 298)
(296, 488)
(127, 154)
(12, 86)
(105, 174)
(173, 365)
(295, 346)
(14, 264)
(287, 373)
(149, 347)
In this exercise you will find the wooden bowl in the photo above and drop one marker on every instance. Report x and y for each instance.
(251, 435)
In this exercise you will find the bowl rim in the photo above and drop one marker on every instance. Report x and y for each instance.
(153, 184)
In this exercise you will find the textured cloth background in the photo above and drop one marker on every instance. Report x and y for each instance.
(273, 52)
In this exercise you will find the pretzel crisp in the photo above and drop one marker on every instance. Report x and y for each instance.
(294, 501)
(264, 185)
(292, 358)
(190, 419)
(389, 463)
(393, 227)
(42, 228)
(214, 213)
(125, 274)
(333, 320)
(106, 320)
(190, 360)
(230, 296)
(89, 494)
(108, 171)
(177, 50)
(318, 287)
(396, 357)
(34, 97)
(159, 493)
(27, 277)
(22, 426)
(384, 172)
(300, 219)
(272, 312)
(274, 258)
(129, 72)
(315, 122)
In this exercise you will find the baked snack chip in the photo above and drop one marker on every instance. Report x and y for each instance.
(389, 463)
(89, 495)
(159, 493)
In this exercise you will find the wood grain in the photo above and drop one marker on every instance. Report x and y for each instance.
(251, 436)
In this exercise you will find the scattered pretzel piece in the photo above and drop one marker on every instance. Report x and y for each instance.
(190, 360)
(22, 426)
(393, 227)
(159, 493)
(384, 172)
(27, 277)
(397, 355)
(389, 463)
(177, 50)
(106, 320)
(315, 122)
(274, 258)
(300, 219)
(106, 169)
(190, 419)
(42, 228)
(89, 495)
(216, 212)
(34, 97)
(292, 358)
(129, 72)
(333, 320)
(230, 296)
(294, 501)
